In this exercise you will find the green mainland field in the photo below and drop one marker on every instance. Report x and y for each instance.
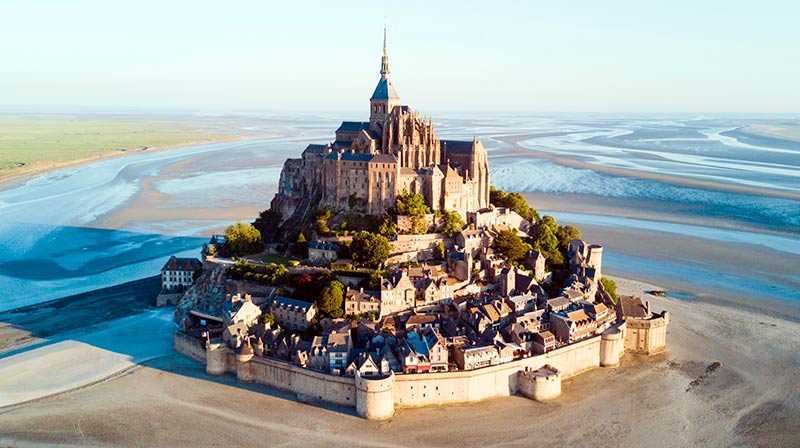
(42, 142)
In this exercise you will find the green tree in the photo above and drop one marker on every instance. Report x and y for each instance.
(331, 299)
(243, 239)
(511, 245)
(276, 274)
(412, 204)
(565, 234)
(453, 224)
(611, 288)
(514, 201)
(369, 249)
(438, 252)
(268, 319)
(387, 228)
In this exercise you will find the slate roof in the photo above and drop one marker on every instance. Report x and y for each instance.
(384, 90)
(315, 149)
(349, 156)
(353, 126)
(632, 307)
(323, 245)
(287, 302)
(384, 158)
(457, 147)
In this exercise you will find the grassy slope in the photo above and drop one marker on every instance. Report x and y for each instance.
(33, 142)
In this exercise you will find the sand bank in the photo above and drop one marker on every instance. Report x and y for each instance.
(577, 163)
(18, 179)
(753, 399)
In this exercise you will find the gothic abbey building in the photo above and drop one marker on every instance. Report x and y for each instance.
(372, 162)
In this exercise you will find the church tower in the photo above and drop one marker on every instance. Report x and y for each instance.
(385, 98)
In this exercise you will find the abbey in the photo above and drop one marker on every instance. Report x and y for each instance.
(370, 163)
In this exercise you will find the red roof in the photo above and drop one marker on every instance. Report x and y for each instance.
(182, 264)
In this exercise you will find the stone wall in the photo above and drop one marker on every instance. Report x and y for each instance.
(417, 247)
(377, 398)
(494, 381)
(189, 346)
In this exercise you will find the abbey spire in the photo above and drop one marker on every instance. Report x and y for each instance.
(384, 98)
(385, 58)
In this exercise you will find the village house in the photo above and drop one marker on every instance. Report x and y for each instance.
(469, 358)
(369, 365)
(424, 352)
(543, 342)
(322, 252)
(572, 326)
(357, 302)
(398, 293)
(330, 353)
(292, 313)
(240, 309)
(178, 274)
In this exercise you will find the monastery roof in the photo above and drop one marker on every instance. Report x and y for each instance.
(341, 144)
(384, 90)
(356, 157)
(315, 149)
(457, 146)
(448, 171)
(383, 158)
(353, 126)
(181, 264)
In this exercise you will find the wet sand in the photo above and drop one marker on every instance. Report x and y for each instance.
(667, 400)
(517, 150)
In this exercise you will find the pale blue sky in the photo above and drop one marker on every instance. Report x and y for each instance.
(541, 56)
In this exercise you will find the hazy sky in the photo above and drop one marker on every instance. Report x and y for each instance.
(594, 56)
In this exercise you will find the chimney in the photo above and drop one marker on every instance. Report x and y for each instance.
(361, 289)
(647, 305)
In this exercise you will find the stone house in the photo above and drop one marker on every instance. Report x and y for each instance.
(543, 342)
(356, 301)
(177, 275)
(240, 309)
(368, 365)
(572, 326)
(398, 293)
(292, 313)
(474, 357)
(535, 261)
(330, 353)
(322, 252)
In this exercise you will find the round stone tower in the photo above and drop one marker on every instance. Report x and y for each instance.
(244, 368)
(375, 397)
(612, 345)
(542, 384)
(216, 358)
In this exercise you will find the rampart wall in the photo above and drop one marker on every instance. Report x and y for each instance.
(377, 398)
(190, 347)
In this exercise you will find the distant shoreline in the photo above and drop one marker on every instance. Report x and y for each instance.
(17, 179)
